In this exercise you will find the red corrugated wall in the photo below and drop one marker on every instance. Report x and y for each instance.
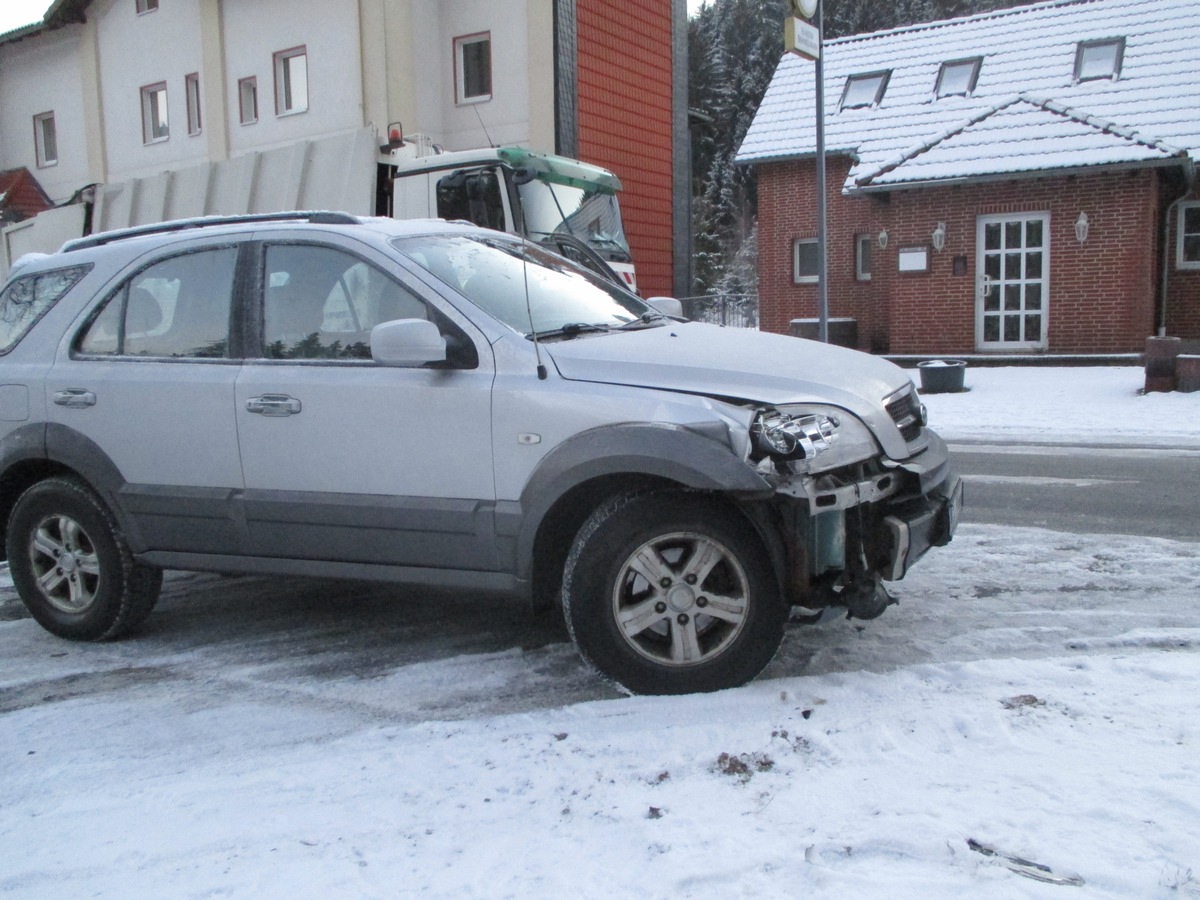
(624, 91)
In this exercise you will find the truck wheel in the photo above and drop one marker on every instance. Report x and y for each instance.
(668, 593)
(71, 566)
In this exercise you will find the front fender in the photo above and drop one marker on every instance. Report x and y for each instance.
(697, 457)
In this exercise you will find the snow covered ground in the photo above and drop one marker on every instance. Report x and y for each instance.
(1034, 692)
(1064, 405)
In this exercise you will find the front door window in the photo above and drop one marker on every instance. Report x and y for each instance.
(1012, 281)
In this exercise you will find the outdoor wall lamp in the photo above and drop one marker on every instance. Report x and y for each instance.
(883, 239)
(939, 237)
(1081, 227)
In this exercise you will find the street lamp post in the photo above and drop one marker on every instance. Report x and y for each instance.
(804, 37)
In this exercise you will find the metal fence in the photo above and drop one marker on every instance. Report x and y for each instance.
(734, 310)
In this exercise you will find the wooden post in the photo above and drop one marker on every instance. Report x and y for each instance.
(1187, 373)
(1160, 363)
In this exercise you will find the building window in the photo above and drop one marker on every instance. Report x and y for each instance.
(146, 6)
(804, 261)
(473, 68)
(957, 77)
(154, 113)
(864, 90)
(1099, 59)
(1187, 247)
(191, 86)
(45, 140)
(862, 256)
(248, 100)
(291, 81)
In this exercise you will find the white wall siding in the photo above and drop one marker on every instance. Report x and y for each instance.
(506, 115)
(135, 51)
(36, 76)
(254, 30)
(398, 55)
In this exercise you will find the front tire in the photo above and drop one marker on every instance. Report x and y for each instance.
(72, 567)
(670, 593)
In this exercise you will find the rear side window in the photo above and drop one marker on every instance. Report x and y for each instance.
(27, 299)
(176, 308)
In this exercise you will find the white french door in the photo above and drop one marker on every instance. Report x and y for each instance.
(1012, 281)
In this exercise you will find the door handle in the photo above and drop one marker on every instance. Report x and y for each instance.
(983, 285)
(75, 398)
(273, 405)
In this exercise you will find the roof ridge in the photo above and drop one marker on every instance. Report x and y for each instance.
(928, 144)
(944, 23)
(1100, 124)
(1105, 126)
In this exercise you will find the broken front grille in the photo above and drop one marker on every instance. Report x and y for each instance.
(905, 410)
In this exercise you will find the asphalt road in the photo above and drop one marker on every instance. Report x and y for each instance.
(1096, 490)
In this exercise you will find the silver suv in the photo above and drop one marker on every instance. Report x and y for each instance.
(434, 404)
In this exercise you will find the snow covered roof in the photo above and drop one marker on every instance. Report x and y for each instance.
(1027, 113)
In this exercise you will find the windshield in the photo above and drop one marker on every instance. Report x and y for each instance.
(590, 214)
(523, 285)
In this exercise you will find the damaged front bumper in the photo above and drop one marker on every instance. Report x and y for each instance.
(919, 525)
(851, 530)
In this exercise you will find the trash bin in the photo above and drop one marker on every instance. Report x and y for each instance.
(942, 376)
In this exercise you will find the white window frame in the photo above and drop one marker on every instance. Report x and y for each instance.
(797, 278)
(1181, 232)
(854, 96)
(291, 81)
(1118, 58)
(145, 6)
(45, 140)
(956, 66)
(247, 89)
(156, 126)
(863, 248)
(191, 90)
(461, 43)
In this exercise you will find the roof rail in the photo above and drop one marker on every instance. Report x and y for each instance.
(314, 217)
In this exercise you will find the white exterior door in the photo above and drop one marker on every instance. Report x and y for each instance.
(1012, 281)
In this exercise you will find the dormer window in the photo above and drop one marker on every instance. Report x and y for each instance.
(865, 90)
(957, 77)
(1099, 59)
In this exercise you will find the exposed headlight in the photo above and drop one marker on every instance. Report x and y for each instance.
(811, 439)
(793, 437)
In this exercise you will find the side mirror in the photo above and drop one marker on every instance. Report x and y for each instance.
(407, 343)
(668, 306)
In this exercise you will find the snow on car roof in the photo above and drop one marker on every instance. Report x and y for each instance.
(1027, 111)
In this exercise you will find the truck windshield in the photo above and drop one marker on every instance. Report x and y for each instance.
(590, 214)
(524, 286)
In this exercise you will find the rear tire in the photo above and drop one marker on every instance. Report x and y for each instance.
(72, 567)
(671, 593)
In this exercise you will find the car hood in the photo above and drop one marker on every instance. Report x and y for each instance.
(739, 364)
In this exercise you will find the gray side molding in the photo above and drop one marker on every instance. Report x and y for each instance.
(26, 442)
(84, 456)
(700, 459)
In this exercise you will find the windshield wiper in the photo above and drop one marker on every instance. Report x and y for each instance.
(651, 318)
(570, 330)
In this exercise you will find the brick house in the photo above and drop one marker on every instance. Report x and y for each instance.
(120, 89)
(1014, 182)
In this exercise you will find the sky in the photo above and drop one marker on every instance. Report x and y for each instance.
(15, 13)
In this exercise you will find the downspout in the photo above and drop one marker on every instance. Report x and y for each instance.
(1189, 178)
